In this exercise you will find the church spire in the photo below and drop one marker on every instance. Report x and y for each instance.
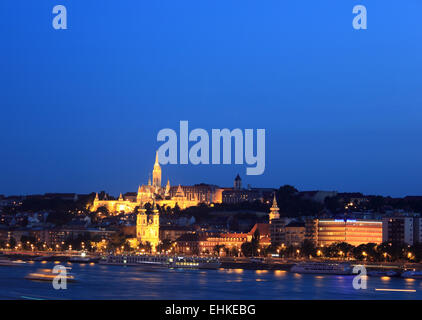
(274, 214)
(139, 196)
(275, 202)
(156, 173)
(167, 192)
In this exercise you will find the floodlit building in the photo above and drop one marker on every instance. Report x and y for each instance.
(153, 191)
(354, 232)
(148, 227)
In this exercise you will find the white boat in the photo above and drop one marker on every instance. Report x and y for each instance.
(82, 258)
(413, 274)
(159, 261)
(10, 263)
(257, 260)
(322, 268)
(383, 273)
(48, 275)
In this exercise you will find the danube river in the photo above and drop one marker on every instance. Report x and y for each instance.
(118, 282)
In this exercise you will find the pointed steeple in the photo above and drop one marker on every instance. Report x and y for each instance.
(139, 196)
(167, 192)
(274, 214)
(96, 197)
(156, 159)
(156, 173)
(275, 202)
(120, 197)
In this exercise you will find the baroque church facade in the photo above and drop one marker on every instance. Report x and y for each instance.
(148, 227)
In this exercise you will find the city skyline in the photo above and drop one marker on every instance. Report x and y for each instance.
(165, 179)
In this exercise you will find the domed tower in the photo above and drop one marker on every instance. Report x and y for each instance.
(156, 173)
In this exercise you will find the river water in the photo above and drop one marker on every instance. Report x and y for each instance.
(119, 282)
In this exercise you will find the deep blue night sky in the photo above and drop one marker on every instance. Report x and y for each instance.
(81, 108)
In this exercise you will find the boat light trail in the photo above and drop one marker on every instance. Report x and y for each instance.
(397, 290)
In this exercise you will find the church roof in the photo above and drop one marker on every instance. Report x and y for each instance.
(179, 192)
(263, 229)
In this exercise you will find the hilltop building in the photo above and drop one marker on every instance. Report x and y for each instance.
(150, 193)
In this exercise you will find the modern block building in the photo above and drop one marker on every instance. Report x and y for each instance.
(355, 232)
(401, 230)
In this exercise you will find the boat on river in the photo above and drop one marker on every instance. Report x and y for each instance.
(49, 275)
(162, 261)
(322, 268)
(10, 263)
(383, 273)
(83, 258)
(412, 274)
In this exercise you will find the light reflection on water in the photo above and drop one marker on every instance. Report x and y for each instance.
(115, 282)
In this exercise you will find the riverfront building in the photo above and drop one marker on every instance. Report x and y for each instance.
(355, 232)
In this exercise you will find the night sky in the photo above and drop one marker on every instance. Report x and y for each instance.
(81, 108)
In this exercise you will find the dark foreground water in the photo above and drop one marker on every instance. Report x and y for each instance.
(115, 282)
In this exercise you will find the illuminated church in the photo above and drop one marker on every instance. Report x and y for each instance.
(150, 193)
(148, 227)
